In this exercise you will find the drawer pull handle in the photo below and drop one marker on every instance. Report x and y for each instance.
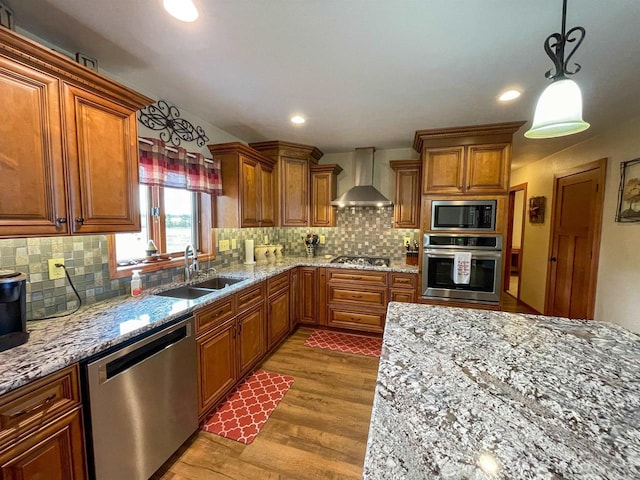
(220, 312)
(356, 296)
(42, 404)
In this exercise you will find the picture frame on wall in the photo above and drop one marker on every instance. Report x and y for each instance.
(536, 209)
(629, 192)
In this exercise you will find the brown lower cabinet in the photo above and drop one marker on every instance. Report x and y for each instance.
(309, 295)
(41, 433)
(230, 341)
(235, 333)
(278, 318)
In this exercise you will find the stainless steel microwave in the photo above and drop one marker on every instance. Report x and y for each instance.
(451, 215)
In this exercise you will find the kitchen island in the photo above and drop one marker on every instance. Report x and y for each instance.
(476, 394)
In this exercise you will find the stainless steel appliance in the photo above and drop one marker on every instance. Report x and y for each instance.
(463, 214)
(361, 260)
(486, 267)
(13, 309)
(142, 403)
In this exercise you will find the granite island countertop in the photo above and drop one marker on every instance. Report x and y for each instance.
(57, 343)
(471, 394)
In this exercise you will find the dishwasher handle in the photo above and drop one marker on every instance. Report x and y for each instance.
(127, 358)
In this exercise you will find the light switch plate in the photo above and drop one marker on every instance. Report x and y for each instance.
(266, 239)
(223, 245)
(234, 244)
(323, 239)
(407, 240)
(55, 272)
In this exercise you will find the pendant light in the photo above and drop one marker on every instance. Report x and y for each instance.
(559, 109)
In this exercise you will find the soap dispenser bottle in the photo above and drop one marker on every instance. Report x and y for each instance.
(136, 284)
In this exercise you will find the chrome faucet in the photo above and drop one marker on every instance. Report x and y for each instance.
(193, 267)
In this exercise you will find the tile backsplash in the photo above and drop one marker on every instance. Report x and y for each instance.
(358, 231)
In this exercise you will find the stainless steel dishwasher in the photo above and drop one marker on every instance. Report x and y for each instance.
(142, 403)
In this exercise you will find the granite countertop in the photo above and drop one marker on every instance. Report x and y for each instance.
(56, 343)
(477, 395)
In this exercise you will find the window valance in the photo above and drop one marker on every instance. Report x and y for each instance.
(169, 166)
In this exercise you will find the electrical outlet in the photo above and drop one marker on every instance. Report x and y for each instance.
(234, 244)
(266, 239)
(55, 272)
(407, 240)
(323, 239)
(223, 245)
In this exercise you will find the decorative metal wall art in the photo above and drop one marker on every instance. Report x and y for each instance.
(536, 209)
(165, 117)
(629, 192)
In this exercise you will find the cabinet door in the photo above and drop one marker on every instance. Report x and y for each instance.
(54, 452)
(278, 318)
(308, 295)
(102, 148)
(322, 192)
(32, 197)
(250, 188)
(488, 168)
(295, 192)
(216, 365)
(251, 340)
(400, 295)
(294, 292)
(443, 170)
(407, 204)
(267, 199)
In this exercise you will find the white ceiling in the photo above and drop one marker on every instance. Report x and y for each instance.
(363, 72)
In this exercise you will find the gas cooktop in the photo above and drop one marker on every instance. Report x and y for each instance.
(374, 261)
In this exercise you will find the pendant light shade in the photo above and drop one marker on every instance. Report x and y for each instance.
(559, 109)
(558, 112)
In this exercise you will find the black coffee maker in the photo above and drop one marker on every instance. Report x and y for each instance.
(13, 309)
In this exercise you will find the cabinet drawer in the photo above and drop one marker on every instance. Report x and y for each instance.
(277, 283)
(373, 297)
(404, 280)
(213, 315)
(356, 320)
(402, 295)
(249, 297)
(29, 407)
(360, 277)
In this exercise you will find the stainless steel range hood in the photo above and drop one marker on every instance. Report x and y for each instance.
(363, 194)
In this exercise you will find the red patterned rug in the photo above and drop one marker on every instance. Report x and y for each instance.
(245, 410)
(344, 342)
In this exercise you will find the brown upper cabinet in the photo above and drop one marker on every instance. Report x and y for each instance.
(292, 177)
(68, 156)
(324, 189)
(248, 187)
(473, 160)
(407, 200)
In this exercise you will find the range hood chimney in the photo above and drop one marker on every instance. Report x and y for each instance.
(363, 194)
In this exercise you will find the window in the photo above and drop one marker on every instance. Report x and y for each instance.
(172, 218)
(175, 209)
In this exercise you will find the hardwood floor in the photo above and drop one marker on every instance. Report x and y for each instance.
(318, 431)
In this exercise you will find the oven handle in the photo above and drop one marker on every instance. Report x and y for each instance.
(475, 254)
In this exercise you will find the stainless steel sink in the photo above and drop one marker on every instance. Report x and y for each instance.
(217, 283)
(187, 293)
(200, 289)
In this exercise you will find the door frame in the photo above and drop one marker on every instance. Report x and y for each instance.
(601, 166)
(506, 275)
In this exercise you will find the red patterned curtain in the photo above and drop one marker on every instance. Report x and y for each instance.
(175, 167)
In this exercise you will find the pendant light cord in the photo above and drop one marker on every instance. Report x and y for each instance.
(60, 315)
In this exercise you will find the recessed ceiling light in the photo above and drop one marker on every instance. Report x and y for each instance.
(509, 95)
(183, 10)
(297, 119)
